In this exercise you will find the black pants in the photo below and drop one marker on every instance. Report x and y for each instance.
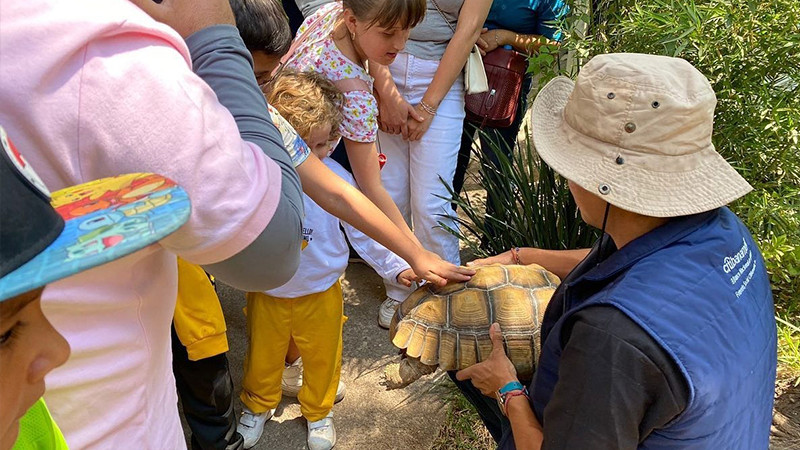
(497, 424)
(205, 389)
(294, 14)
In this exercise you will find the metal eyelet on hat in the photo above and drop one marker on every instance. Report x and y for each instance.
(604, 189)
(610, 95)
(655, 104)
(630, 127)
(620, 160)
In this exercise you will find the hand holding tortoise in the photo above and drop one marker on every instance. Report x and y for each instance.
(496, 371)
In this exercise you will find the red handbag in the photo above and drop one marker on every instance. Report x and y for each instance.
(497, 107)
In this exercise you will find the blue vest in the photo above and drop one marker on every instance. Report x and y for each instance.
(698, 286)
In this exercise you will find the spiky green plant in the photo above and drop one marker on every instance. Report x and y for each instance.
(532, 206)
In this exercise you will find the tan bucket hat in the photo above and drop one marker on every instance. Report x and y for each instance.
(635, 130)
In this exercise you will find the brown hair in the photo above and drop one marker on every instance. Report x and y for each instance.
(306, 100)
(263, 25)
(405, 14)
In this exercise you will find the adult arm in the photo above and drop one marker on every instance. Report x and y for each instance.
(492, 374)
(545, 31)
(220, 58)
(468, 29)
(559, 262)
(523, 43)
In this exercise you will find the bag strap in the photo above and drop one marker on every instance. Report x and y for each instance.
(300, 40)
(443, 16)
(344, 85)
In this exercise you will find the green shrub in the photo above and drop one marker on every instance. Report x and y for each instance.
(750, 52)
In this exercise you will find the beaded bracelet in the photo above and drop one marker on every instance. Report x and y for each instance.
(515, 255)
(502, 400)
(427, 108)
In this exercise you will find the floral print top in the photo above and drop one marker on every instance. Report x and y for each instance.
(297, 148)
(320, 54)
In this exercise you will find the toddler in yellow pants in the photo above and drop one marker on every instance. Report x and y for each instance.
(309, 308)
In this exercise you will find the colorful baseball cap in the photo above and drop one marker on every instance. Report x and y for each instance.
(46, 237)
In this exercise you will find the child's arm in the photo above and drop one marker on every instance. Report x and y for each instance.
(394, 109)
(387, 264)
(363, 159)
(344, 201)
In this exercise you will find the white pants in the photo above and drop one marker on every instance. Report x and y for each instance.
(412, 170)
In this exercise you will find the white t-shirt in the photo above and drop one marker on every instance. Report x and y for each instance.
(324, 259)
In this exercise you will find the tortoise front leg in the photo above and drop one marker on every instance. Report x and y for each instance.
(407, 371)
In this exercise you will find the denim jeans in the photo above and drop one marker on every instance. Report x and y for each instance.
(487, 408)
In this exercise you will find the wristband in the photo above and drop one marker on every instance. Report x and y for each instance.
(503, 399)
(510, 386)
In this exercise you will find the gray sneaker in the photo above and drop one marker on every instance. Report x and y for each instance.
(251, 425)
(386, 312)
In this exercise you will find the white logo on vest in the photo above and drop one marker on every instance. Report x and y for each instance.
(731, 262)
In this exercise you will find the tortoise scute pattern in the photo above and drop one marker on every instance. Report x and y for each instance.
(449, 325)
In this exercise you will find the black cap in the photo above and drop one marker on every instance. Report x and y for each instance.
(28, 224)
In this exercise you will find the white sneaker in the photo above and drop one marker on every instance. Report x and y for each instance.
(386, 312)
(322, 434)
(251, 425)
(292, 381)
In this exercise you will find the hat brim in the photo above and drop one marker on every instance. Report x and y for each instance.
(591, 163)
(105, 220)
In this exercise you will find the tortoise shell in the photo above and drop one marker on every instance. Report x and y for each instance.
(449, 325)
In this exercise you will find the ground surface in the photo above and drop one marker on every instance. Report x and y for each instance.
(369, 416)
(786, 421)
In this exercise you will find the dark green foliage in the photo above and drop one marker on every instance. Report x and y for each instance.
(532, 206)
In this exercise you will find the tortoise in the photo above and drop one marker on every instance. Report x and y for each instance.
(448, 326)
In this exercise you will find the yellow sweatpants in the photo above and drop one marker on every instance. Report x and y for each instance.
(315, 323)
(199, 322)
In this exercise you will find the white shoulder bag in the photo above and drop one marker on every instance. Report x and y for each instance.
(475, 81)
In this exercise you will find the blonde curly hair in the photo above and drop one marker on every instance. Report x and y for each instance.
(306, 100)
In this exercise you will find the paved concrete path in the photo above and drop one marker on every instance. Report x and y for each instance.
(369, 417)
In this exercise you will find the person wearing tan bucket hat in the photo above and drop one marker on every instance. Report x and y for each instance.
(663, 334)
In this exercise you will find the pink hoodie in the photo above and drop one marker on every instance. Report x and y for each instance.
(94, 88)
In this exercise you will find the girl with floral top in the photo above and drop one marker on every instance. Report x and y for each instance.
(422, 149)
(343, 37)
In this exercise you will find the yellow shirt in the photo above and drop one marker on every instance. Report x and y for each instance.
(38, 431)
